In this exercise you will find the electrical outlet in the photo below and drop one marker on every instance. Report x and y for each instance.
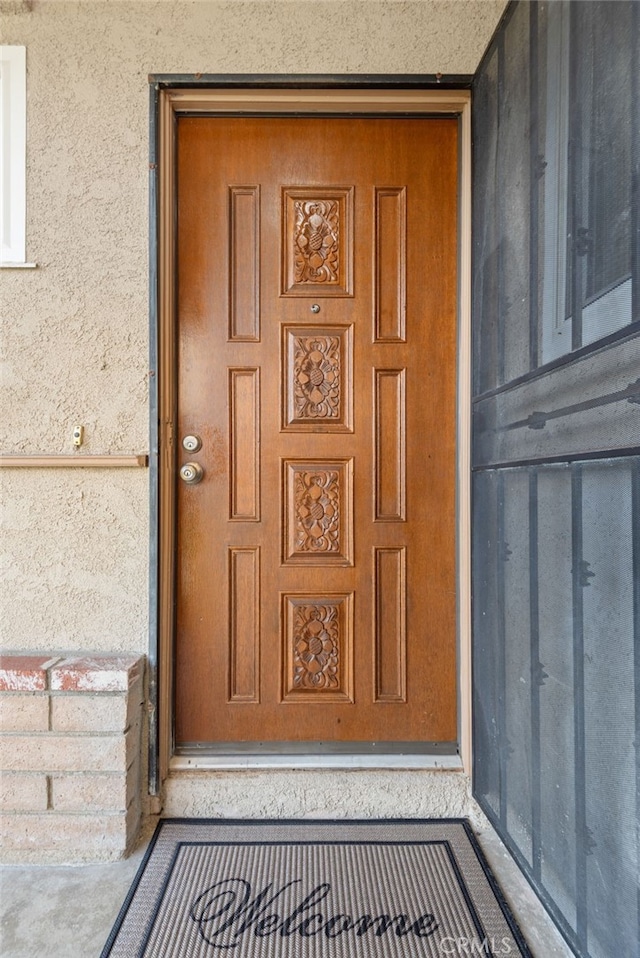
(78, 435)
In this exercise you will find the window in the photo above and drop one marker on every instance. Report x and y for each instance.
(13, 130)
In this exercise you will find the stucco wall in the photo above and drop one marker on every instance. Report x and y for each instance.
(76, 329)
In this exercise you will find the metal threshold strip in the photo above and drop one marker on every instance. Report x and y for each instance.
(356, 755)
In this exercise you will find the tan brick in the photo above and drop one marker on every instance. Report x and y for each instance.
(23, 792)
(133, 745)
(135, 702)
(82, 791)
(134, 784)
(64, 837)
(61, 753)
(82, 712)
(24, 713)
(134, 819)
(99, 712)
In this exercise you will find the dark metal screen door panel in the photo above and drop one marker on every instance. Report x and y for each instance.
(556, 455)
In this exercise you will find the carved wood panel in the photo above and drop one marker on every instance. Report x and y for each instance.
(317, 648)
(317, 390)
(318, 513)
(317, 242)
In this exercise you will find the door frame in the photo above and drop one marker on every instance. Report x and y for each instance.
(277, 95)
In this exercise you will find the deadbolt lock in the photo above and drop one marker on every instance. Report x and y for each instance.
(191, 473)
(192, 443)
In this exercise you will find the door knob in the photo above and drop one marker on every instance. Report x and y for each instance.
(191, 473)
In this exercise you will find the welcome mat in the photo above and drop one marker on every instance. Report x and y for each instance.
(314, 889)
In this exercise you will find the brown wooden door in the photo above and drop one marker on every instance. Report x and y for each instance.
(317, 330)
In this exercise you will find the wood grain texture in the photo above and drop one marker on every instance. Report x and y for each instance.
(389, 385)
(244, 263)
(391, 444)
(390, 624)
(390, 289)
(244, 430)
(244, 625)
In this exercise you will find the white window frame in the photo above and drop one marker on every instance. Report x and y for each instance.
(13, 156)
(556, 328)
(610, 310)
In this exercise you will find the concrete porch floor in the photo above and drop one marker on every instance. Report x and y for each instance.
(68, 911)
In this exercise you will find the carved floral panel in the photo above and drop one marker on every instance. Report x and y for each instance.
(317, 242)
(316, 377)
(317, 387)
(316, 650)
(318, 643)
(317, 505)
(318, 514)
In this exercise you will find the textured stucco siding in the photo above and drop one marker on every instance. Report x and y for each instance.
(75, 331)
(75, 560)
(315, 793)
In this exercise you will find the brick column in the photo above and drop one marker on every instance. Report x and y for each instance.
(70, 757)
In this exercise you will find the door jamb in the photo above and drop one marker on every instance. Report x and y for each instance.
(381, 96)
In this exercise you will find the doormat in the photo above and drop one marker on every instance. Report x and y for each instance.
(314, 889)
